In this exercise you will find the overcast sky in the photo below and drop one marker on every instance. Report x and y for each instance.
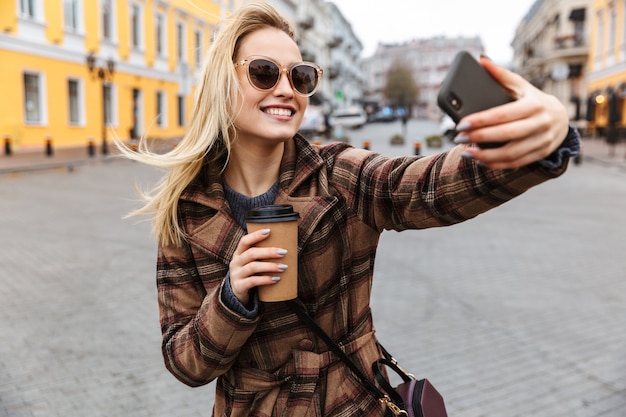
(402, 20)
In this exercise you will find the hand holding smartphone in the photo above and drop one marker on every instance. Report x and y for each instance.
(469, 88)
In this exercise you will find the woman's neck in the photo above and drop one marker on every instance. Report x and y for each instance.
(252, 172)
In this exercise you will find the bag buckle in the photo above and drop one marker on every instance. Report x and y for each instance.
(395, 362)
(397, 411)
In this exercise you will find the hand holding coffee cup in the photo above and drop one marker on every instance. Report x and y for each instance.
(283, 224)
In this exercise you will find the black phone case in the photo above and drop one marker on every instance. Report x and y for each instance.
(469, 88)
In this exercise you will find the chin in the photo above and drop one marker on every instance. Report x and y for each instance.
(285, 134)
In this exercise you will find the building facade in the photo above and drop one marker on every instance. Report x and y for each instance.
(75, 71)
(606, 76)
(429, 60)
(326, 37)
(550, 49)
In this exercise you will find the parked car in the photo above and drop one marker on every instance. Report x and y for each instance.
(353, 117)
(447, 127)
(386, 114)
(313, 123)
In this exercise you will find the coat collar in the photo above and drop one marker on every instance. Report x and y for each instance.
(301, 162)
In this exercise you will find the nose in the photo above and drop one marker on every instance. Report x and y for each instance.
(283, 88)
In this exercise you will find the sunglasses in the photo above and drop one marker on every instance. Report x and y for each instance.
(264, 74)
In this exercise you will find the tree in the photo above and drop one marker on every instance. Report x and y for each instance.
(401, 89)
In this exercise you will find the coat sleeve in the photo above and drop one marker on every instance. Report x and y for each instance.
(202, 337)
(421, 192)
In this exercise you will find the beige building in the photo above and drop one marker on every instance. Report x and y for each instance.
(429, 60)
(551, 48)
(576, 50)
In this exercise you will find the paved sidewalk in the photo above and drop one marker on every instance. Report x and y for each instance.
(62, 157)
(594, 150)
(36, 159)
(519, 312)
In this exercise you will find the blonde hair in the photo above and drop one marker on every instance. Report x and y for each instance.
(211, 129)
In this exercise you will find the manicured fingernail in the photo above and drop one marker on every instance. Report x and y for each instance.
(461, 139)
(282, 267)
(275, 279)
(265, 231)
(281, 251)
(463, 126)
(467, 155)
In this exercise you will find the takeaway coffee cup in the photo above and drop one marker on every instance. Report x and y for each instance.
(283, 223)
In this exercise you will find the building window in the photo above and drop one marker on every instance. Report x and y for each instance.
(623, 28)
(107, 20)
(136, 26)
(612, 31)
(181, 110)
(159, 28)
(198, 47)
(180, 42)
(71, 15)
(27, 9)
(33, 98)
(161, 109)
(73, 95)
(599, 36)
(107, 97)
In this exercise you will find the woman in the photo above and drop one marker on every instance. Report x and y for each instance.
(242, 150)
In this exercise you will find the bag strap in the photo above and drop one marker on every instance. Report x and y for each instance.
(382, 381)
(296, 308)
(394, 404)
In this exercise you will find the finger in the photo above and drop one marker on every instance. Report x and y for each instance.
(254, 274)
(497, 133)
(250, 240)
(261, 268)
(513, 154)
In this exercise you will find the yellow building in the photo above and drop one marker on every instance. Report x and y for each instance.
(75, 71)
(606, 78)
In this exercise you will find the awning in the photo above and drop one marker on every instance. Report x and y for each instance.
(577, 15)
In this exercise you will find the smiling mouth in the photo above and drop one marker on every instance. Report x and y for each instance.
(274, 111)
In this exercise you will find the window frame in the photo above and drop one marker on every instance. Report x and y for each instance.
(137, 26)
(109, 108)
(161, 109)
(76, 16)
(40, 95)
(160, 42)
(110, 20)
(181, 41)
(79, 102)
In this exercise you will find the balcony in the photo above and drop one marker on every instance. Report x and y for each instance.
(334, 42)
(571, 45)
(334, 71)
(568, 41)
(306, 23)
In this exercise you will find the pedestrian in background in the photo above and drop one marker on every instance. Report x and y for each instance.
(242, 150)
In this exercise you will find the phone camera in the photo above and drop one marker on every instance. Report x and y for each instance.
(454, 101)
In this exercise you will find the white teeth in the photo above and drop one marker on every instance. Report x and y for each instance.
(278, 111)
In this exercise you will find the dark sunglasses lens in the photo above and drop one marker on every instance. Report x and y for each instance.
(304, 78)
(263, 73)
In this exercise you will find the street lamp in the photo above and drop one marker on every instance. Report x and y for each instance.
(104, 73)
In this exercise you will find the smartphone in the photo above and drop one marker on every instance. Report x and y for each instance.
(469, 88)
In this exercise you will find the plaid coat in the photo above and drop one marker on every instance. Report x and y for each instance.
(273, 365)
